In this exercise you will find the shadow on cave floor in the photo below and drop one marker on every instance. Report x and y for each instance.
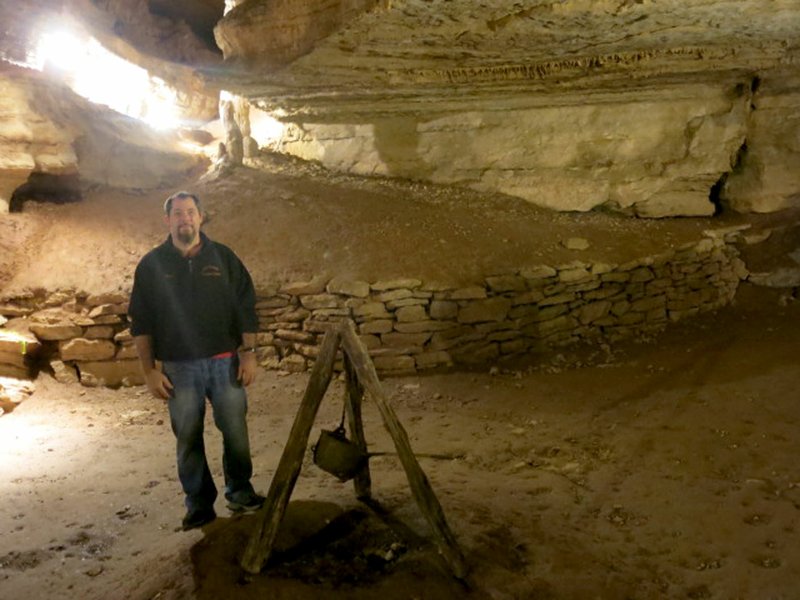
(326, 551)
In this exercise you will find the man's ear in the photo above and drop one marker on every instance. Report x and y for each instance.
(166, 219)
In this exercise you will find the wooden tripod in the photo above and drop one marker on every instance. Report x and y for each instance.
(361, 376)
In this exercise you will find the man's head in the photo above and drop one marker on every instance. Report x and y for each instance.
(183, 214)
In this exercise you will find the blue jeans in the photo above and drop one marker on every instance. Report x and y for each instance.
(193, 381)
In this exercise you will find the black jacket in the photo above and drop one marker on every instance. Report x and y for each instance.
(192, 307)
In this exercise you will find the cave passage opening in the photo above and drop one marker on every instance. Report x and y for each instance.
(47, 187)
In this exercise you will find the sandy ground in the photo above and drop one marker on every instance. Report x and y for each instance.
(665, 469)
(292, 221)
(659, 468)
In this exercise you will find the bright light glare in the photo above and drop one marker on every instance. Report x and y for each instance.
(264, 128)
(60, 49)
(34, 446)
(20, 436)
(102, 77)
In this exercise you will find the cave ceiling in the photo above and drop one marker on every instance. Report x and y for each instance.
(366, 56)
(418, 55)
(650, 108)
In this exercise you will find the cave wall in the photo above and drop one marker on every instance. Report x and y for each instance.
(653, 154)
(656, 154)
(29, 138)
(766, 177)
(652, 109)
(46, 128)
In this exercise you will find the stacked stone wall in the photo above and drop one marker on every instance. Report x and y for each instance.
(80, 337)
(410, 325)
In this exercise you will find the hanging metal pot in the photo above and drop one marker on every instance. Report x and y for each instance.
(337, 455)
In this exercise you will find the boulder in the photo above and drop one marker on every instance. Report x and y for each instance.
(110, 373)
(87, 350)
(274, 34)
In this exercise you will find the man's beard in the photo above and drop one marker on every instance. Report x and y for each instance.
(186, 235)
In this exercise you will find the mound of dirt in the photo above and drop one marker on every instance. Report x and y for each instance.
(292, 221)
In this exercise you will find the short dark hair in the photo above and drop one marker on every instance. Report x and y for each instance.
(179, 195)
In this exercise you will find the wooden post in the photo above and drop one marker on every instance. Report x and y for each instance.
(270, 516)
(420, 487)
(353, 396)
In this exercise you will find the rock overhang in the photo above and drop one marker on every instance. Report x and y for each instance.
(365, 84)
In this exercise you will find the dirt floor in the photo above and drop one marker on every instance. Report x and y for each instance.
(663, 467)
(292, 221)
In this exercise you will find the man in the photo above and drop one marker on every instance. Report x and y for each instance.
(193, 309)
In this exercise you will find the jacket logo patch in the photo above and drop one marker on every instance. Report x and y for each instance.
(211, 271)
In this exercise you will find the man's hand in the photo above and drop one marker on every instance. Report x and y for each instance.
(156, 381)
(158, 384)
(248, 367)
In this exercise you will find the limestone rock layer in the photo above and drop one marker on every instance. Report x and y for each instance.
(47, 129)
(649, 108)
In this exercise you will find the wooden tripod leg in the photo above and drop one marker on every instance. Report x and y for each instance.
(354, 395)
(420, 487)
(270, 516)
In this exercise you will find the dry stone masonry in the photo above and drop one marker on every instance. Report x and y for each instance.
(408, 325)
(81, 338)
